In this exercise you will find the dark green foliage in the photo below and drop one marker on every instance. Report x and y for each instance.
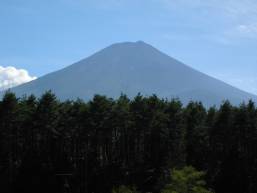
(186, 180)
(124, 189)
(84, 147)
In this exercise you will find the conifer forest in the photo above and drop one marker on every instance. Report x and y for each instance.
(144, 144)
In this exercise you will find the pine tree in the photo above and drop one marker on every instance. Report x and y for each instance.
(186, 180)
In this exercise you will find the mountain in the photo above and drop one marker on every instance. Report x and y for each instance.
(131, 68)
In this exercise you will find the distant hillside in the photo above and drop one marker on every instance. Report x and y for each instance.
(131, 68)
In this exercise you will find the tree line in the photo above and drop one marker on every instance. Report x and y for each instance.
(92, 147)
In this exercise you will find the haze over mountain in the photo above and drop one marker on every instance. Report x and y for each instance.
(131, 68)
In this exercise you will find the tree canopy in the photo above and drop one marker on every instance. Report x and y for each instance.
(47, 145)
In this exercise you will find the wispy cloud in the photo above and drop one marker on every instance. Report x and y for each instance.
(245, 83)
(248, 30)
(232, 18)
(248, 84)
(230, 7)
(227, 19)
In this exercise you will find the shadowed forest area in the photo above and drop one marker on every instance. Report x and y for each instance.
(145, 144)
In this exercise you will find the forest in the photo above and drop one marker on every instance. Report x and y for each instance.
(144, 144)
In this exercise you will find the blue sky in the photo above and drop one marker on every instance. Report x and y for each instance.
(217, 37)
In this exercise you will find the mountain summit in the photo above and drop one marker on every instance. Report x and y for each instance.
(131, 68)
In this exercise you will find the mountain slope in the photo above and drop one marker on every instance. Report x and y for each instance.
(131, 68)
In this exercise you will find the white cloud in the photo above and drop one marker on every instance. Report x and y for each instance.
(10, 77)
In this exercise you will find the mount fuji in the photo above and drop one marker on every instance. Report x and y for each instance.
(132, 68)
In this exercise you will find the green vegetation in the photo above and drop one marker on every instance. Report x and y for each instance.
(124, 189)
(85, 147)
(186, 180)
